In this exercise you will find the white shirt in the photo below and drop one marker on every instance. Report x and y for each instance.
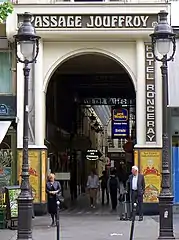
(134, 182)
(93, 182)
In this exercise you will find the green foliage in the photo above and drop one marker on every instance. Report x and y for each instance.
(6, 8)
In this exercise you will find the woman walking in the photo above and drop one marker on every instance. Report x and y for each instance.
(93, 186)
(53, 190)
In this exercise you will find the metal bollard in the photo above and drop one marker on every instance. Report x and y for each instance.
(133, 221)
(58, 220)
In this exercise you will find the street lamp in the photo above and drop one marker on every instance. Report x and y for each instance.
(163, 43)
(28, 42)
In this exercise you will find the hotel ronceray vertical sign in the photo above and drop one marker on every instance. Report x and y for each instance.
(150, 94)
(94, 21)
(120, 122)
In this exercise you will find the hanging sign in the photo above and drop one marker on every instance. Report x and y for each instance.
(93, 155)
(120, 123)
(107, 101)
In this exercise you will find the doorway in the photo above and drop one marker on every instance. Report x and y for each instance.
(87, 76)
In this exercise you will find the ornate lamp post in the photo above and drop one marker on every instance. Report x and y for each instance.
(163, 44)
(28, 42)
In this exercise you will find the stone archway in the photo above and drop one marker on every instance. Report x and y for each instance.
(82, 51)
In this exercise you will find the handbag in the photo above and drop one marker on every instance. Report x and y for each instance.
(121, 198)
(60, 198)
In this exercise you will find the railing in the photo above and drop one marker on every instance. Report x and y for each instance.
(87, 1)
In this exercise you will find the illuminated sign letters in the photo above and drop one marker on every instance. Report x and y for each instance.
(120, 122)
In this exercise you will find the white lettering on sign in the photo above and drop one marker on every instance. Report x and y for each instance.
(94, 21)
(150, 94)
(117, 21)
(55, 22)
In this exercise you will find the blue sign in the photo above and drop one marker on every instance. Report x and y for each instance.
(120, 123)
(4, 110)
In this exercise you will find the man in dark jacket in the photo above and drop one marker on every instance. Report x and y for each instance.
(104, 180)
(137, 189)
(113, 188)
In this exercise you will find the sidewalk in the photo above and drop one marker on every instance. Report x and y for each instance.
(91, 228)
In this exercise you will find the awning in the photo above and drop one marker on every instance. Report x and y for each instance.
(4, 126)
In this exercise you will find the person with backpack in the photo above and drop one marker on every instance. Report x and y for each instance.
(113, 187)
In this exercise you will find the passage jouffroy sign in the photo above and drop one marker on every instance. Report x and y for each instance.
(150, 94)
(94, 21)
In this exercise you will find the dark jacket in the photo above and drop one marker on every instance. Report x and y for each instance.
(104, 180)
(53, 187)
(52, 198)
(140, 184)
(117, 184)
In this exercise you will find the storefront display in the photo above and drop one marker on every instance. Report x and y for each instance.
(150, 167)
(37, 173)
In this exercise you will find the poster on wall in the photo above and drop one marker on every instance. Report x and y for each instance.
(34, 172)
(120, 123)
(150, 167)
(136, 157)
(12, 193)
(43, 175)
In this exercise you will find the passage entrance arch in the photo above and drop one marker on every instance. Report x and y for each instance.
(82, 51)
(83, 74)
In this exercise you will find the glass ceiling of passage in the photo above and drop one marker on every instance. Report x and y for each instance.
(103, 112)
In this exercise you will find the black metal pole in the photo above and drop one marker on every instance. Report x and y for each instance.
(133, 221)
(58, 220)
(165, 197)
(25, 199)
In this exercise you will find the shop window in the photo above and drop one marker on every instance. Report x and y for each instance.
(5, 73)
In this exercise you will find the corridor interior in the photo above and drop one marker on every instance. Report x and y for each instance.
(79, 101)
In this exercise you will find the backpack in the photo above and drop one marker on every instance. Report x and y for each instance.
(113, 183)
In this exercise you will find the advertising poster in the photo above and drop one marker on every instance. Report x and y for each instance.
(120, 123)
(13, 195)
(5, 176)
(34, 172)
(136, 158)
(44, 171)
(150, 167)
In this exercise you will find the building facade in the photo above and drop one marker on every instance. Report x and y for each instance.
(7, 113)
(116, 30)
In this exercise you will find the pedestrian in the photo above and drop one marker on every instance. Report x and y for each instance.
(121, 200)
(93, 187)
(53, 190)
(104, 180)
(113, 187)
(137, 189)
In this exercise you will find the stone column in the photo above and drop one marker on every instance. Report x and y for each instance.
(39, 99)
(140, 93)
(20, 102)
